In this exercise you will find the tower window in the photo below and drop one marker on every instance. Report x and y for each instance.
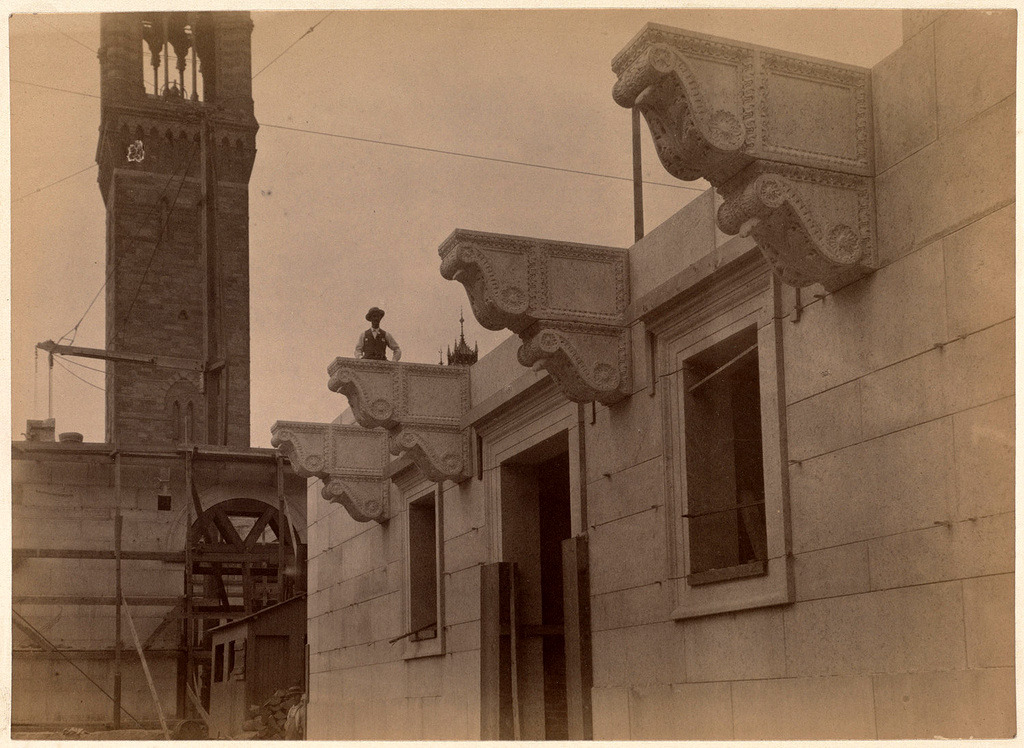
(170, 62)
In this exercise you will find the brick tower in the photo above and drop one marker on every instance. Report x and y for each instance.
(176, 148)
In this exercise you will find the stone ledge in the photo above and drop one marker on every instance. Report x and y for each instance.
(566, 301)
(420, 405)
(786, 140)
(350, 460)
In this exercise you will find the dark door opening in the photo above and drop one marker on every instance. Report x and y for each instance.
(526, 670)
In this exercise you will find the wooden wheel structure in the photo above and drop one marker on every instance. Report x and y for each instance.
(241, 558)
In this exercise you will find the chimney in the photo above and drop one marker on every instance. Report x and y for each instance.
(40, 431)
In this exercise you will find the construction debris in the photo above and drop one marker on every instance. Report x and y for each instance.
(267, 722)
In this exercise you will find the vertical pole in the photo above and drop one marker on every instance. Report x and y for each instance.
(167, 55)
(638, 180)
(280, 529)
(192, 25)
(188, 569)
(117, 589)
(513, 635)
(581, 428)
(49, 390)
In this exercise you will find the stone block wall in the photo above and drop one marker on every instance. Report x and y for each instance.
(64, 498)
(899, 402)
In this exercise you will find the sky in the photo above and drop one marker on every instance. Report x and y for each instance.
(339, 224)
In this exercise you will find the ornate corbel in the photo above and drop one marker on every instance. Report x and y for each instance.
(785, 140)
(420, 405)
(566, 302)
(812, 226)
(349, 459)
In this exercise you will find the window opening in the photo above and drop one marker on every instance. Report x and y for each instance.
(218, 663)
(423, 567)
(724, 461)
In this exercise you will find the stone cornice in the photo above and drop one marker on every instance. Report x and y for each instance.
(566, 301)
(785, 139)
(420, 405)
(350, 460)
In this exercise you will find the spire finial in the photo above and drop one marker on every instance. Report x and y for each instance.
(462, 328)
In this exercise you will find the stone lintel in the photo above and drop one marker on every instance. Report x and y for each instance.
(420, 405)
(566, 301)
(350, 460)
(785, 139)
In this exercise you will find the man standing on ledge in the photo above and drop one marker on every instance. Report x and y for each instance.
(373, 342)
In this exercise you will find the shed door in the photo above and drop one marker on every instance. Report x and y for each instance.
(269, 655)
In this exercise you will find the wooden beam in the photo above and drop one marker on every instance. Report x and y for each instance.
(91, 600)
(579, 676)
(19, 554)
(167, 362)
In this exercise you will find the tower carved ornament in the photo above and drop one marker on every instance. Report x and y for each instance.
(419, 405)
(349, 459)
(786, 140)
(567, 302)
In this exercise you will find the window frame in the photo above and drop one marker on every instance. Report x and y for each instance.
(736, 295)
(417, 646)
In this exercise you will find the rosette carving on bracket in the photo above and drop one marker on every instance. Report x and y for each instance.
(566, 301)
(811, 226)
(420, 405)
(349, 459)
(785, 140)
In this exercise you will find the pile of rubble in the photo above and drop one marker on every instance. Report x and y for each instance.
(267, 722)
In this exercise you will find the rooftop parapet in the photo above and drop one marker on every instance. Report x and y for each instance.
(350, 460)
(785, 139)
(566, 301)
(420, 405)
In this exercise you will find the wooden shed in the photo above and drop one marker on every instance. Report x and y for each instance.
(252, 657)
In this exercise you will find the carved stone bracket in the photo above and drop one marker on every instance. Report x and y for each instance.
(812, 226)
(349, 459)
(420, 405)
(786, 140)
(566, 301)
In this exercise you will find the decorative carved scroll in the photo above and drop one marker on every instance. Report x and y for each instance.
(349, 459)
(811, 226)
(420, 405)
(566, 301)
(786, 141)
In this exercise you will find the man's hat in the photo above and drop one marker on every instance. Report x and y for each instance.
(374, 313)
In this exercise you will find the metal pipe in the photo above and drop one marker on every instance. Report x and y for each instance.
(187, 624)
(581, 427)
(638, 180)
(49, 390)
(280, 530)
(118, 592)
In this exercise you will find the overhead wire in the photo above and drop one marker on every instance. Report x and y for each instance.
(307, 33)
(80, 379)
(39, 17)
(54, 88)
(51, 184)
(475, 156)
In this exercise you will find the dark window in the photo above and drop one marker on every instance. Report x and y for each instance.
(163, 502)
(423, 567)
(218, 663)
(724, 464)
(231, 658)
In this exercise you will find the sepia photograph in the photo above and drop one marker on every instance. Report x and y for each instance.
(512, 374)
